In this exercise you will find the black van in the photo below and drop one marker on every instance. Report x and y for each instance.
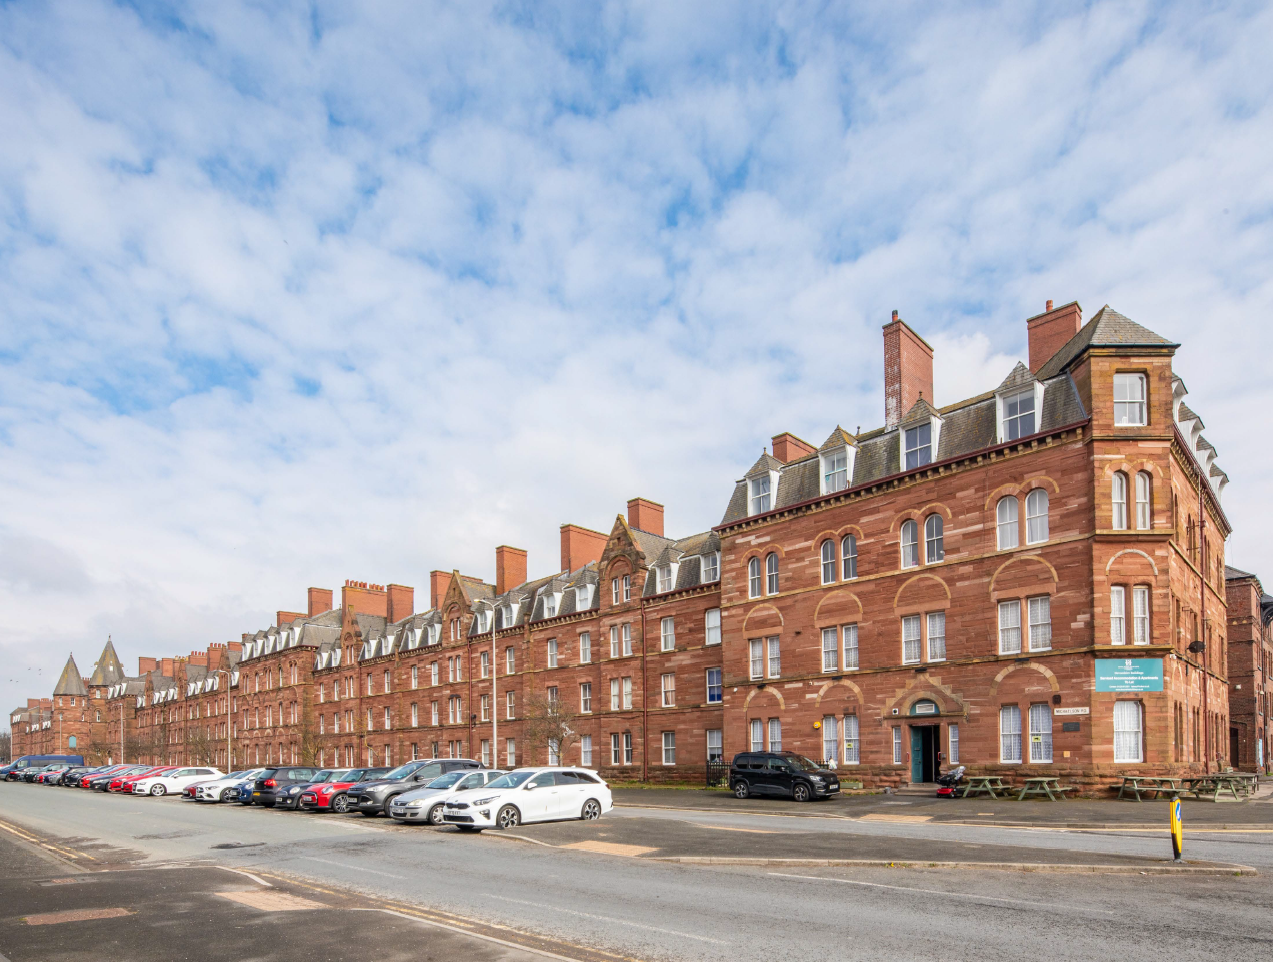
(781, 773)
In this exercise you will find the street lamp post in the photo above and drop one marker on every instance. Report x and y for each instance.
(229, 750)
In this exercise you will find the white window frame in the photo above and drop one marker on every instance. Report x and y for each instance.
(756, 658)
(614, 694)
(1010, 419)
(1040, 734)
(1129, 732)
(1118, 501)
(1040, 619)
(1144, 490)
(908, 543)
(585, 698)
(835, 471)
(585, 647)
(897, 745)
(851, 734)
(1140, 615)
(510, 705)
(1036, 521)
(664, 578)
(912, 637)
(710, 567)
(625, 636)
(771, 573)
(719, 686)
(952, 742)
(922, 436)
(757, 735)
(614, 641)
(667, 689)
(849, 635)
(667, 634)
(1010, 627)
(849, 557)
(936, 636)
(1131, 408)
(627, 588)
(830, 563)
(552, 652)
(585, 751)
(1117, 615)
(614, 591)
(831, 650)
(754, 582)
(711, 627)
(1007, 525)
(627, 692)
(773, 664)
(715, 745)
(934, 540)
(510, 661)
(761, 495)
(1010, 734)
(775, 734)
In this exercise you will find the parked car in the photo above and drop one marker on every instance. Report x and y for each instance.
(225, 788)
(34, 774)
(172, 781)
(16, 768)
(332, 796)
(50, 772)
(530, 795)
(102, 783)
(125, 785)
(189, 790)
(73, 779)
(373, 797)
(425, 804)
(289, 797)
(786, 774)
(273, 782)
(57, 778)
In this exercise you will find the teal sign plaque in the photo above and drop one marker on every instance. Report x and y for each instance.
(1129, 674)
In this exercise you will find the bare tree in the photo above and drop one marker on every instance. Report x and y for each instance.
(6, 746)
(548, 724)
(307, 735)
(98, 750)
(201, 746)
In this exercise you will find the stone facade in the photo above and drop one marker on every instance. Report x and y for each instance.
(1250, 656)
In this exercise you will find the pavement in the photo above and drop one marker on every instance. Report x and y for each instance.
(608, 889)
(1256, 814)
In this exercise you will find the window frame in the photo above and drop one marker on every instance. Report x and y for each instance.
(831, 651)
(1117, 615)
(1131, 405)
(1145, 505)
(708, 627)
(1006, 606)
(1138, 731)
(847, 631)
(754, 582)
(1017, 419)
(830, 564)
(1035, 642)
(849, 557)
(1041, 728)
(908, 544)
(719, 686)
(771, 573)
(934, 543)
(1005, 525)
(939, 618)
(1009, 713)
(922, 450)
(917, 640)
(760, 494)
(667, 633)
(1118, 501)
(667, 689)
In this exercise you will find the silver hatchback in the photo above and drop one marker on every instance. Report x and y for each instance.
(424, 804)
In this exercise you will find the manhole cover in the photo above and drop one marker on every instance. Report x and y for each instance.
(237, 845)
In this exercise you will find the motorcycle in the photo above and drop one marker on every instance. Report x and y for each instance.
(948, 783)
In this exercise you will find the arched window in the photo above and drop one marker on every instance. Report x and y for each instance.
(934, 545)
(771, 574)
(849, 556)
(1142, 501)
(910, 544)
(828, 561)
(1118, 501)
(1006, 523)
(753, 578)
(1036, 516)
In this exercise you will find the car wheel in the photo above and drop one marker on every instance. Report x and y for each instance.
(435, 815)
(591, 810)
(340, 804)
(157, 790)
(508, 817)
(221, 795)
(388, 802)
(741, 789)
(801, 792)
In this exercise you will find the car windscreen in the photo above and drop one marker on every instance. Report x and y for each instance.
(800, 763)
(321, 777)
(401, 772)
(511, 780)
(447, 780)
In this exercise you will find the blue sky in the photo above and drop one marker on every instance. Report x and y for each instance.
(298, 293)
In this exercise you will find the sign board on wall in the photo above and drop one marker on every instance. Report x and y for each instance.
(1071, 711)
(1129, 674)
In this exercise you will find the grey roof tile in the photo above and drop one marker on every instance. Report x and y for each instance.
(1107, 328)
(71, 683)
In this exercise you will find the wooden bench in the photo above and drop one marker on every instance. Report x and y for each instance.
(1213, 785)
(1048, 786)
(1154, 786)
(984, 785)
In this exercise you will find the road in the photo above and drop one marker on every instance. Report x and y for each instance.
(645, 909)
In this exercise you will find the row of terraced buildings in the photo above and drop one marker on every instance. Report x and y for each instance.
(1028, 581)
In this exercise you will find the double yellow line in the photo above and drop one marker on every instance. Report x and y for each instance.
(36, 840)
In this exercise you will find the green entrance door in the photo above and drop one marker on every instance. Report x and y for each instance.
(924, 747)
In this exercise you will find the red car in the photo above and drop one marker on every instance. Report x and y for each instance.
(125, 785)
(330, 796)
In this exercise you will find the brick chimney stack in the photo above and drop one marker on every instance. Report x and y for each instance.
(580, 546)
(364, 598)
(646, 516)
(320, 600)
(1050, 330)
(282, 618)
(146, 665)
(908, 370)
(510, 568)
(788, 447)
(401, 602)
(439, 581)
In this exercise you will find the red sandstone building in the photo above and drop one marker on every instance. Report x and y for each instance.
(1028, 581)
(1250, 657)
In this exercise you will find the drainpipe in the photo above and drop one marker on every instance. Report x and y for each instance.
(1202, 600)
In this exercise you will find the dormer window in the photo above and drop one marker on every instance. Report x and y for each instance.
(583, 597)
(1019, 415)
(835, 471)
(918, 447)
(665, 578)
(760, 499)
(711, 567)
(550, 605)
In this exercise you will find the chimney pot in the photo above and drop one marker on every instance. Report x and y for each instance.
(646, 516)
(1048, 307)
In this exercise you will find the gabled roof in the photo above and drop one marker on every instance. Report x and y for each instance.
(1107, 328)
(837, 439)
(70, 683)
(1019, 377)
(920, 412)
(764, 464)
(108, 670)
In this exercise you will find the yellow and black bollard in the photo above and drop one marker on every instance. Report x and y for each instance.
(1177, 831)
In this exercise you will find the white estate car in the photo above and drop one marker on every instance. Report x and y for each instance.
(214, 791)
(530, 795)
(425, 804)
(174, 781)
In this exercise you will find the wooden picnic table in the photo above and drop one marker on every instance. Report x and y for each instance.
(984, 785)
(1153, 785)
(1044, 785)
(1214, 785)
(1245, 782)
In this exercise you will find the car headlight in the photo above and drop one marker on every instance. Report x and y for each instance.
(293, 790)
(412, 804)
(816, 779)
(478, 802)
(326, 790)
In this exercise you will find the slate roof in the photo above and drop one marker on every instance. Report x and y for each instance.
(70, 683)
(687, 554)
(1107, 328)
(108, 670)
(1233, 574)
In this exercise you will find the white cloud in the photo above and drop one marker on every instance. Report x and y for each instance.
(290, 299)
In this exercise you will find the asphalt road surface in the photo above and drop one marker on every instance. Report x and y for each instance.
(646, 909)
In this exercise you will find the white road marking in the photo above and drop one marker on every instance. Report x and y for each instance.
(607, 918)
(907, 888)
(239, 871)
(352, 868)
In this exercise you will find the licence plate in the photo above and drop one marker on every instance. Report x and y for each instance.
(256, 794)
